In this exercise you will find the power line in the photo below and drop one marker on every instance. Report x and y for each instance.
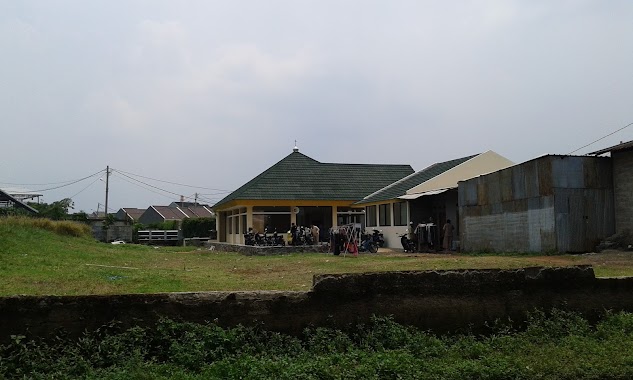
(171, 183)
(119, 174)
(601, 138)
(82, 190)
(52, 183)
(71, 183)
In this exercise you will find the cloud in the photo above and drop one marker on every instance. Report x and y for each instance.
(16, 33)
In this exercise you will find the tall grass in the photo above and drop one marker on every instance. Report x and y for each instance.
(62, 227)
(380, 349)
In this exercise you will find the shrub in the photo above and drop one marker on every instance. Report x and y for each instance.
(197, 227)
(60, 227)
(555, 345)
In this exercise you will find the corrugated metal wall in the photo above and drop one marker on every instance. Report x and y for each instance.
(552, 203)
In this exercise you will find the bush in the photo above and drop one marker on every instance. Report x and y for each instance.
(554, 345)
(60, 227)
(198, 227)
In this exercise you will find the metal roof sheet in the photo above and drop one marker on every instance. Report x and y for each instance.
(418, 195)
(620, 146)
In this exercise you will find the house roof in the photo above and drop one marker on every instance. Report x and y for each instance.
(21, 193)
(400, 187)
(187, 204)
(299, 177)
(9, 201)
(197, 211)
(133, 213)
(620, 146)
(170, 213)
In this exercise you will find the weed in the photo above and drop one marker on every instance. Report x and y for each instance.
(554, 345)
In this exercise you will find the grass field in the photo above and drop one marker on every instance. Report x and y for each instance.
(41, 260)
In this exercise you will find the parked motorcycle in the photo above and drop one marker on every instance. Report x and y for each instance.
(407, 244)
(249, 238)
(303, 236)
(368, 244)
(378, 238)
(273, 239)
(278, 239)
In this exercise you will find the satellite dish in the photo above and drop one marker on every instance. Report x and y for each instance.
(295, 210)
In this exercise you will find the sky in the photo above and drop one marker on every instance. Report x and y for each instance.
(209, 93)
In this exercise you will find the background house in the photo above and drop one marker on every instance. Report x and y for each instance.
(427, 195)
(548, 204)
(160, 214)
(9, 202)
(129, 214)
(301, 190)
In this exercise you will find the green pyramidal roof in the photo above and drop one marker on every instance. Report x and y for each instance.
(401, 186)
(299, 177)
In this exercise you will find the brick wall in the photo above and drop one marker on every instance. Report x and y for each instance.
(520, 231)
(623, 189)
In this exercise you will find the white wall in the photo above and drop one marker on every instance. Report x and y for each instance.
(482, 164)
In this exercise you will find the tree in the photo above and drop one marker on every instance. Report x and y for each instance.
(56, 210)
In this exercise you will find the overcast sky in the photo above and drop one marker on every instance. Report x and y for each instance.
(212, 93)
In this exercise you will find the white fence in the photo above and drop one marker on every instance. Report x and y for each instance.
(146, 236)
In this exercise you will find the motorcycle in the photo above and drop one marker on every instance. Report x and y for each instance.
(303, 236)
(368, 244)
(273, 239)
(249, 238)
(378, 238)
(278, 239)
(407, 244)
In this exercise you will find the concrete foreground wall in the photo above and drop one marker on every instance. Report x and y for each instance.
(440, 301)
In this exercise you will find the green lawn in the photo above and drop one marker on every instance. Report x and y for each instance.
(37, 261)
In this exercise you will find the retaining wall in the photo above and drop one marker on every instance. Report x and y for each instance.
(440, 301)
(262, 250)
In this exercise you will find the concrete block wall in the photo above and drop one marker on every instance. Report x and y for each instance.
(530, 230)
(623, 189)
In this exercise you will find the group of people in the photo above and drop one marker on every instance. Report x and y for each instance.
(304, 235)
(424, 234)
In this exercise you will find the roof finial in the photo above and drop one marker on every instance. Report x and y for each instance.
(295, 149)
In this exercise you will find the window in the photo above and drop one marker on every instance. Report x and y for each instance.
(384, 215)
(271, 218)
(236, 221)
(348, 215)
(371, 216)
(400, 214)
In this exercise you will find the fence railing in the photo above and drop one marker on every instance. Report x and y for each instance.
(157, 236)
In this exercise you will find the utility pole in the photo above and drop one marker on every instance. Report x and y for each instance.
(195, 203)
(107, 188)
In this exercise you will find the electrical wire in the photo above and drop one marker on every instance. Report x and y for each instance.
(82, 190)
(171, 183)
(71, 183)
(119, 175)
(208, 200)
(601, 138)
(48, 184)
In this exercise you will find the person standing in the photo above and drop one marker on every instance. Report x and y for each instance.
(448, 235)
(315, 234)
(293, 233)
